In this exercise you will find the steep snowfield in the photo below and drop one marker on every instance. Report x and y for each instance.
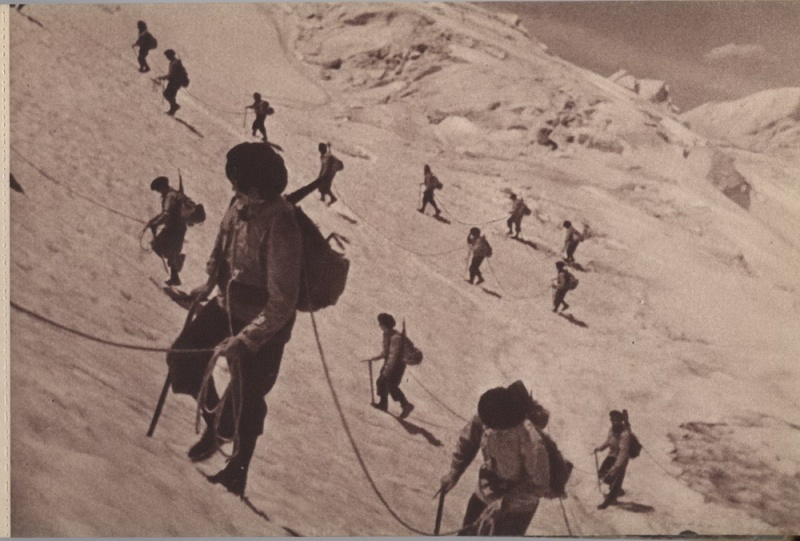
(765, 121)
(686, 315)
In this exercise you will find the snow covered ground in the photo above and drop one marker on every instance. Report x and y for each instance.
(686, 314)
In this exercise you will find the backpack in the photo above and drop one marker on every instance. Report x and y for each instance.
(191, 212)
(572, 282)
(151, 42)
(636, 446)
(324, 270)
(412, 355)
(560, 467)
(183, 76)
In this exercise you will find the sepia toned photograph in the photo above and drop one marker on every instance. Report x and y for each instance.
(403, 269)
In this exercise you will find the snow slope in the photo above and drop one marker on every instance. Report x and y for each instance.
(765, 121)
(687, 314)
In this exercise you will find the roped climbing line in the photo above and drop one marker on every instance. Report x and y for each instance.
(78, 194)
(445, 406)
(392, 241)
(504, 290)
(444, 208)
(112, 343)
(354, 445)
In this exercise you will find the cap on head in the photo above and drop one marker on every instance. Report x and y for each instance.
(386, 320)
(323, 148)
(256, 96)
(560, 265)
(256, 165)
(427, 168)
(567, 223)
(159, 184)
(499, 410)
(169, 53)
(615, 415)
(141, 25)
(474, 231)
(513, 196)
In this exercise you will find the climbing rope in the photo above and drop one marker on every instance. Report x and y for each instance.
(445, 406)
(92, 338)
(469, 224)
(78, 194)
(389, 239)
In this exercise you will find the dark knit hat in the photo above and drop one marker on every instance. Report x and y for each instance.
(474, 231)
(256, 165)
(498, 409)
(159, 184)
(386, 320)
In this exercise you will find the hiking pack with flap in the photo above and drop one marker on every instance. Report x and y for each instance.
(150, 41)
(183, 76)
(191, 212)
(324, 269)
(635, 448)
(412, 355)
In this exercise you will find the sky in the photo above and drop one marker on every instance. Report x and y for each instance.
(706, 50)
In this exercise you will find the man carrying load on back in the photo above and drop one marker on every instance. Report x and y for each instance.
(394, 366)
(146, 43)
(564, 283)
(168, 243)
(256, 263)
(176, 78)
(515, 472)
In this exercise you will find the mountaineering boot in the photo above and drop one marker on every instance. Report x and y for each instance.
(206, 447)
(408, 407)
(173, 109)
(480, 281)
(174, 279)
(564, 306)
(234, 476)
(383, 406)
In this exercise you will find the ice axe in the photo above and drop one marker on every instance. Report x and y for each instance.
(371, 384)
(597, 468)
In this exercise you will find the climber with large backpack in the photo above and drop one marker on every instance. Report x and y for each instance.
(257, 264)
(478, 249)
(168, 242)
(397, 352)
(622, 446)
(176, 78)
(146, 42)
(563, 283)
(515, 472)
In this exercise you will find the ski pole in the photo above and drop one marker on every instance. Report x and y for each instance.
(244, 119)
(168, 381)
(439, 512)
